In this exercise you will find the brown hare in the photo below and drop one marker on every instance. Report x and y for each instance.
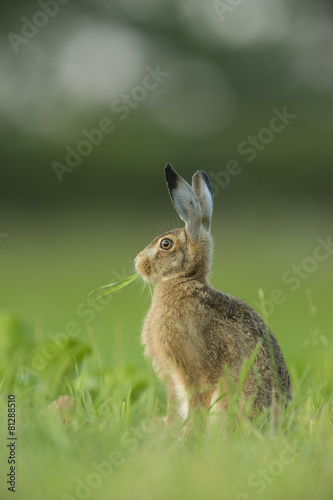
(199, 338)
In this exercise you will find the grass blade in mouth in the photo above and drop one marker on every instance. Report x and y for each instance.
(116, 286)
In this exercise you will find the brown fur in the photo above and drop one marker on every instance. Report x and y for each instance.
(198, 336)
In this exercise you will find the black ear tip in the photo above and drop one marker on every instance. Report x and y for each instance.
(171, 176)
(207, 180)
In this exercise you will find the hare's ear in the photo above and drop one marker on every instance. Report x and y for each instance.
(202, 187)
(185, 202)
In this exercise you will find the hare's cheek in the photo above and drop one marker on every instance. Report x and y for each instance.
(146, 268)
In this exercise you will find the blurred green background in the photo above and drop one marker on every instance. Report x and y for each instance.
(222, 76)
(95, 98)
(224, 73)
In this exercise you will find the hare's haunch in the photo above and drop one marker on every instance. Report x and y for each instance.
(200, 339)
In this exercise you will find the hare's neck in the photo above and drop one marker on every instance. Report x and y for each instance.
(170, 291)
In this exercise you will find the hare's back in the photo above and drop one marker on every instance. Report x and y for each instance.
(242, 328)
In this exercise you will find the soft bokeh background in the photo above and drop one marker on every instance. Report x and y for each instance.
(224, 74)
(226, 71)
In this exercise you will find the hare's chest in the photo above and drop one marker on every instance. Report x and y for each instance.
(158, 338)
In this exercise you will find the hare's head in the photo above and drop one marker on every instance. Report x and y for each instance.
(184, 252)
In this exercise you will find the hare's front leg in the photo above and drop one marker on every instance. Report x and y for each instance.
(172, 404)
(199, 403)
(202, 400)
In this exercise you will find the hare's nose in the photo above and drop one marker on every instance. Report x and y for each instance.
(137, 258)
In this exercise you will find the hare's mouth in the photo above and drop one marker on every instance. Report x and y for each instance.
(143, 267)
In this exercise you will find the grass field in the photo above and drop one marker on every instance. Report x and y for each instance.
(56, 341)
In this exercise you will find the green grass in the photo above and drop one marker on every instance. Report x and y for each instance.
(114, 441)
(114, 433)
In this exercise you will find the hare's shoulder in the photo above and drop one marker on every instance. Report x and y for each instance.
(231, 308)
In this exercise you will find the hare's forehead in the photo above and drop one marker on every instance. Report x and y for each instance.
(177, 235)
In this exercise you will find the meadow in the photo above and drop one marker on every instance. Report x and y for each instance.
(57, 340)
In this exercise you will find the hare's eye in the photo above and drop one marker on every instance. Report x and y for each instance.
(166, 244)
